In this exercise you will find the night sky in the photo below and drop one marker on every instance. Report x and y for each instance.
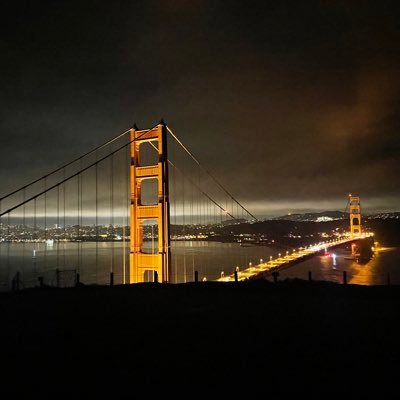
(292, 104)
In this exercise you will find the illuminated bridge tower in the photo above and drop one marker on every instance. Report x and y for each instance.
(355, 215)
(140, 262)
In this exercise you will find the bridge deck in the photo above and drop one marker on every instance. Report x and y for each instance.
(290, 259)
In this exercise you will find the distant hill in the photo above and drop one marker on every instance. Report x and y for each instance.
(323, 216)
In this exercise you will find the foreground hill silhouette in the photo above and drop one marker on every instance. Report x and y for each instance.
(289, 338)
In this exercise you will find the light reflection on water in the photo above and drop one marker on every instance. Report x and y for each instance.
(210, 259)
(373, 272)
(94, 262)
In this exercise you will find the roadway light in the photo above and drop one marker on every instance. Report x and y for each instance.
(261, 260)
(270, 258)
(279, 255)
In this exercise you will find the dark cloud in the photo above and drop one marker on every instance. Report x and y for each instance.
(290, 103)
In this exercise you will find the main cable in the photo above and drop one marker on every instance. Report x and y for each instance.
(76, 173)
(208, 172)
(197, 186)
(65, 165)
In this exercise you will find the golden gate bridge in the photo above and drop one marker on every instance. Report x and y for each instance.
(150, 200)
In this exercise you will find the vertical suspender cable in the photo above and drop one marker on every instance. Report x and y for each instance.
(112, 211)
(199, 199)
(175, 224)
(184, 230)
(80, 213)
(24, 230)
(127, 166)
(45, 225)
(191, 228)
(34, 240)
(64, 217)
(80, 266)
(58, 228)
(198, 220)
(97, 219)
(78, 189)
(8, 247)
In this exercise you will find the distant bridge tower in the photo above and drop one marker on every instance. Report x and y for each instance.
(355, 215)
(141, 262)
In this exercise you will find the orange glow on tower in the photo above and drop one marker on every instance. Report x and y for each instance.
(355, 215)
(159, 261)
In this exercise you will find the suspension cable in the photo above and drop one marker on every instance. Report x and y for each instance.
(8, 248)
(64, 215)
(75, 174)
(198, 187)
(201, 190)
(97, 218)
(45, 226)
(65, 165)
(78, 228)
(208, 172)
(58, 227)
(24, 225)
(112, 211)
(80, 202)
(184, 230)
(127, 161)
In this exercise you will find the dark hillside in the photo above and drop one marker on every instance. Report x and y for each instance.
(292, 337)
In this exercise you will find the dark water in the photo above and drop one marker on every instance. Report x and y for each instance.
(95, 261)
(328, 268)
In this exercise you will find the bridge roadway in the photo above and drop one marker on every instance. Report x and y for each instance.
(295, 257)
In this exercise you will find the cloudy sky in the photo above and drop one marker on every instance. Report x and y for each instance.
(292, 104)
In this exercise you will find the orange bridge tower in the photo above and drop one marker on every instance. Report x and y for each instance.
(158, 262)
(355, 215)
